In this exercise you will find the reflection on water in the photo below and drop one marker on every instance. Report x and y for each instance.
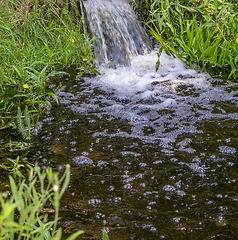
(153, 155)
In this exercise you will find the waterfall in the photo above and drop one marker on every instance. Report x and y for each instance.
(117, 25)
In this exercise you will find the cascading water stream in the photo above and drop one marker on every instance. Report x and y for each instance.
(137, 93)
(116, 24)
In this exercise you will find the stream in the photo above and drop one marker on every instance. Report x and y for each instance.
(153, 155)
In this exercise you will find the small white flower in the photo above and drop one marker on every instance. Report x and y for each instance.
(55, 188)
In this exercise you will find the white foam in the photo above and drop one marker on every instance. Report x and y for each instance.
(169, 102)
(137, 78)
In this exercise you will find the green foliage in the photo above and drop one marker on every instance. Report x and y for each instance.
(199, 32)
(105, 236)
(16, 146)
(13, 167)
(41, 31)
(27, 203)
(38, 79)
(35, 36)
(24, 127)
(142, 7)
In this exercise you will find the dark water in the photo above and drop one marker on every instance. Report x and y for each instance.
(173, 176)
(153, 154)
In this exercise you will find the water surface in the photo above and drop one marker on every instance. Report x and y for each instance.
(153, 154)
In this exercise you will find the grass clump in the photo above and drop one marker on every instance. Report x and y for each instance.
(201, 32)
(24, 215)
(36, 37)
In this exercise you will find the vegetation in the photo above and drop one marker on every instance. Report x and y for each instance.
(201, 32)
(24, 215)
(36, 37)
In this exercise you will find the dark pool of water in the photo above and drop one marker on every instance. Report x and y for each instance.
(137, 188)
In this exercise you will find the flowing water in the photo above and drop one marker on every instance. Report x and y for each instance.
(116, 24)
(153, 154)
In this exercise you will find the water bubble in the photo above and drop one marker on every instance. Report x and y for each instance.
(102, 164)
(83, 161)
(127, 186)
(169, 188)
(227, 150)
(176, 219)
(94, 202)
(142, 165)
(181, 193)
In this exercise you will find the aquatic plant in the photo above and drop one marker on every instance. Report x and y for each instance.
(105, 236)
(13, 167)
(24, 129)
(29, 201)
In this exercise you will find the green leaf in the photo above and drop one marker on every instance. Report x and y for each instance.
(18, 72)
(171, 27)
(46, 102)
(96, 38)
(105, 236)
(94, 70)
(27, 122)
(75, 235)
(65, 11)
(36, 79)
(54, 97)
(216, 5)
(209, 24)
(158, 61)
(53, 73)
(8, 209)
(21, 126)
(191, 9)
(38, 62)
(58, 234)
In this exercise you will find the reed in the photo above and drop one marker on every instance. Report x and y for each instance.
(28, 203)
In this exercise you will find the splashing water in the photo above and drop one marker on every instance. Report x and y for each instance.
(116, 24)
(157, 105)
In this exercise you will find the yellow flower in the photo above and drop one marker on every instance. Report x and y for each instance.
(72, 40)
(85, 59)
(25, 86)
(237, 40)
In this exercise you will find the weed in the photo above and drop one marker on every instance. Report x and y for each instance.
(198, 32)
(28, 203)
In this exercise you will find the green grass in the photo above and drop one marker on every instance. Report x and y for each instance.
(37, 37)
(200, 32)
(28, 203)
